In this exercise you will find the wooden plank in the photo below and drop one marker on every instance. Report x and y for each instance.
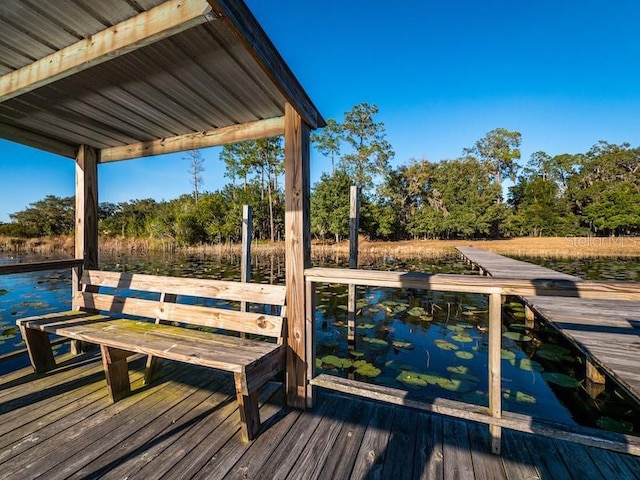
(310, 320)
(284, 457)
(86, 238)
(259, 293)
(36, 140)
(348, 444)
(105, 443)
(321, 444)
(523, 423)
(8, 269)
(515, 457)
(457, 450)
(270, 127)
(486, 464)
(298, 251)
(171, 17)
(372, 455)
(248, 322)
(247, 29)
(428, 460)
(400, 449)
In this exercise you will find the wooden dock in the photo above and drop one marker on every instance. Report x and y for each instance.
(62, 425)
(607, 332)
(495, 265)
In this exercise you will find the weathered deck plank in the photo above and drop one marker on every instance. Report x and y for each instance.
(186, 426)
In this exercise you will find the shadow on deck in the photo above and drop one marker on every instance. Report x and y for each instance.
(186, 425)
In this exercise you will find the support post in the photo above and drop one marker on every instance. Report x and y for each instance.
(86, 225)
(495, 387)
(529, 318)
(298, 252)
(593, 373)
(354, 227)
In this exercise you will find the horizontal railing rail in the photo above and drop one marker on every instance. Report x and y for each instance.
(495, 288)
(39, 266)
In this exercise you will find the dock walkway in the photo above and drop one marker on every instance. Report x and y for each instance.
(62, 425)
(606, 332)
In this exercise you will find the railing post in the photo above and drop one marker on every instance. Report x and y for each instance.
(495, 384)
(354, 227)
(310, 326)
(245, 260)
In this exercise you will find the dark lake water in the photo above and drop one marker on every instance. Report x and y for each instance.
(433, 344)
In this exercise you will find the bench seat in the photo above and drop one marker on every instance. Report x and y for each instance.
(177, 334)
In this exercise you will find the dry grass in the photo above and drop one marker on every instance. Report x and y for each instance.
(547, 247)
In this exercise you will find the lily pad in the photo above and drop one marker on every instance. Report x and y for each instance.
(10, 332)
(460, 369)
(454, 385)
(318, 363)
(560, 379)
(411, 378)
(462, 338)
(368, 370)
(445, 345)
(507, 354)
(339, 323)
(366, 326)
(519, 397)
(416, 311)
(337, 362)
(613, 425)
(402, 344)
(3, 291)
(455, 328)
(517, 337)
(375, 341)
(529, 365)
(554, 356)
(518, 327)
(353, 353)
(464, 355)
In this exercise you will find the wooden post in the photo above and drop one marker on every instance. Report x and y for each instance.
(86, 228)
(495, 387)
(245, 260)
(311, 334)
(354, 227)
(298, 252)
(529, 318)
(593, 373)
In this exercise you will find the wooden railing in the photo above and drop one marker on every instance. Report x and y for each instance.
(39, 266)
(13, 268)
(494, 288)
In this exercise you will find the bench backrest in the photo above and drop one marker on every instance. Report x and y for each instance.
(170, 308)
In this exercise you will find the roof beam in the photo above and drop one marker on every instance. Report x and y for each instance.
(212, 138)
(165, 20)
(249, 31)
(35, 140)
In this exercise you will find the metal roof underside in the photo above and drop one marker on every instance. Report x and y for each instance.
(206, 77)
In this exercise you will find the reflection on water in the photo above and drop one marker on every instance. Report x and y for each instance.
(433, 344)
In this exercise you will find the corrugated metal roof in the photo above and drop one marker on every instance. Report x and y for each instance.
(203, 78)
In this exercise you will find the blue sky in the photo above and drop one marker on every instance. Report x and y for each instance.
(563, 73)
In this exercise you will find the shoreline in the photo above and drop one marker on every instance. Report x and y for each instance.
(536, 247)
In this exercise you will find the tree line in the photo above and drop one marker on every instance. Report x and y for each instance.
(592, 193)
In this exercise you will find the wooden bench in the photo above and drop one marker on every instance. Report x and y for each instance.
(181, 307)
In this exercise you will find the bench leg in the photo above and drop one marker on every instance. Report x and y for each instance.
(116, 370)
(39, 348)
(248, 407)
(154, 364)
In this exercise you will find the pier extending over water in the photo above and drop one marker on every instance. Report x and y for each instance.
(607, 332)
